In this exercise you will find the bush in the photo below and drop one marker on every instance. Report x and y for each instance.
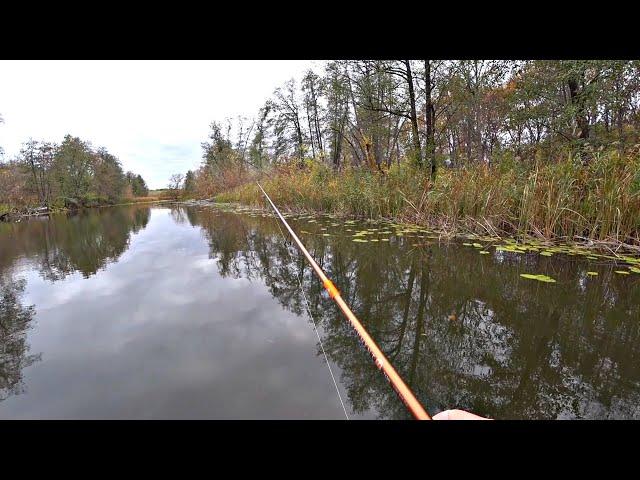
(94, 200)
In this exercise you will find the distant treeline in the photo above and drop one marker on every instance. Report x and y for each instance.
(68, 174)
(372, 114)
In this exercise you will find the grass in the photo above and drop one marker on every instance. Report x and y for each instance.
(557, 200)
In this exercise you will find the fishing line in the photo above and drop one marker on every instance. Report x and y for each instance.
(315, 327)
(379, 358)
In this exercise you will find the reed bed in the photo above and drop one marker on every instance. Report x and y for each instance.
(563, 199)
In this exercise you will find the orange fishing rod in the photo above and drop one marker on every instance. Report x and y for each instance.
(401, 388)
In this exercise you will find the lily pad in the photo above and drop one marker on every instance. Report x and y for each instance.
(509, 249)
(540, 278)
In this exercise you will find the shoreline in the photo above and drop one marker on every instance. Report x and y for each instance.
(449, 233)
(13, 216)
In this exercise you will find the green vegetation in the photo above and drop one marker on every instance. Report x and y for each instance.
(69, 175)
(543, 148)
(540, 277)
(564, 199)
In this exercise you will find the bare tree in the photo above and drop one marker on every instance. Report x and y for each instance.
(175, 185)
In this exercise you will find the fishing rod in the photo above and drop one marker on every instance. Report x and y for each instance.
(401, 388)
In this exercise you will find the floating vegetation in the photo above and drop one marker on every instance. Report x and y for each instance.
(540, 278)
(509, 249)
(369, 230)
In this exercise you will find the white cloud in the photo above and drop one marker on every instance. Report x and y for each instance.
(153, 115)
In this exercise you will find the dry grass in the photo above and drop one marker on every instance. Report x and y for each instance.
(557, 200)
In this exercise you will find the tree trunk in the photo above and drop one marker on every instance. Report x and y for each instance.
(414, 116)
(430, 121)
(577, 99)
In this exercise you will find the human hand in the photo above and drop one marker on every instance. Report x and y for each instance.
(457, 415)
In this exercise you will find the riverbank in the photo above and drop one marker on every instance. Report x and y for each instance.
(10, 213)
(565, 201)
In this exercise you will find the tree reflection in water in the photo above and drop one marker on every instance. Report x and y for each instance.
(85, 241)
(464, 330)
(15, 320)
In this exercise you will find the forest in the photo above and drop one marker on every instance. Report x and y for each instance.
(71, 174)
(542, 147)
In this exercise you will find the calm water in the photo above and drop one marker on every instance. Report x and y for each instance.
(196, 312)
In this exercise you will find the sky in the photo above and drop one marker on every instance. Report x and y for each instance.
(152, 115)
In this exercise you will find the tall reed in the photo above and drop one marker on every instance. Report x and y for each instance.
(561, 199)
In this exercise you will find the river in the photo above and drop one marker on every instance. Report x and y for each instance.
(173, 312)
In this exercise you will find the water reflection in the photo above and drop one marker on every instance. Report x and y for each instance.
(15, 320)
(463, 329)
(84, 241)
(182, 323)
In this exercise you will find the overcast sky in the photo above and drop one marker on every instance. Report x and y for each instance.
(152, 115)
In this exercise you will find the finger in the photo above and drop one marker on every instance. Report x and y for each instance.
(444, 415)
(457, 415)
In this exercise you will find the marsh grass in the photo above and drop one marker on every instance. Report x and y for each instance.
(564, 200)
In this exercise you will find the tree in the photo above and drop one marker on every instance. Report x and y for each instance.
(189, 183)
(175, 185)
(430, 120)
(73, 163)
(38, 158)
(312, 87)
(258, 154)
(108, 179)
(137, 184)
(287, 109)
(374, 113)
(218, 152)
(337, 112)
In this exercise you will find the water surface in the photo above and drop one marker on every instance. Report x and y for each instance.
(197, 312)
